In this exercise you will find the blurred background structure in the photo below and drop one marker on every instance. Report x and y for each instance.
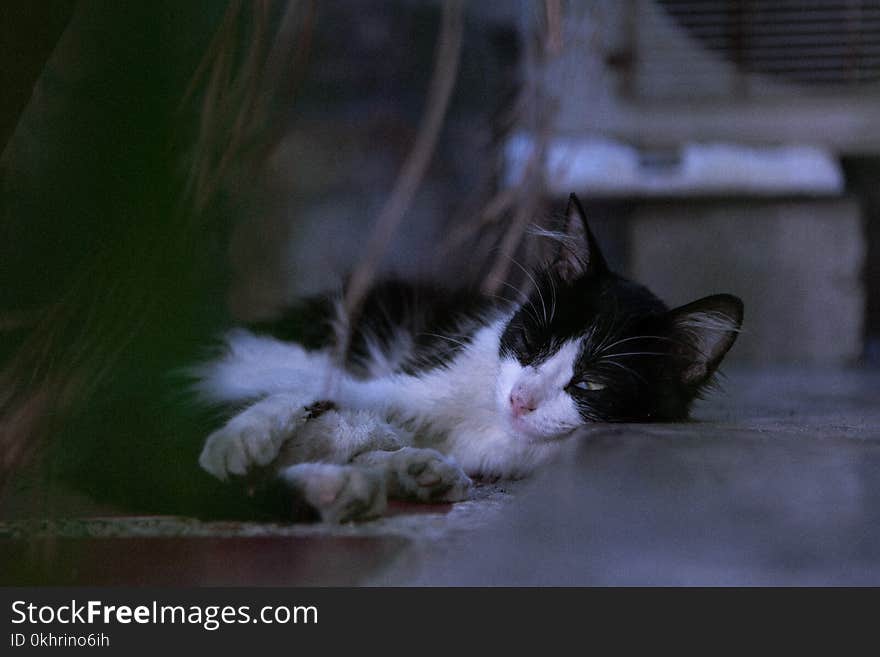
(170, 168)
(735, 139)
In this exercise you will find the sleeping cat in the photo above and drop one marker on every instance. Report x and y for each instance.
(440, 386)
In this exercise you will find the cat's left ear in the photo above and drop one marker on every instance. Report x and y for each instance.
(704, 331)
(579, 253)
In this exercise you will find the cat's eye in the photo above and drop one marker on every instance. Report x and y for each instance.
(589, 386)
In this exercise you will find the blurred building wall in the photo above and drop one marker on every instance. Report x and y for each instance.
(353, 122)
(634, 73)
(653, 78)
(795, 263)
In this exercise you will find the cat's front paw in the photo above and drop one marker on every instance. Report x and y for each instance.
(337, 493)
(426, 475)
(235, 450)
(250, 440)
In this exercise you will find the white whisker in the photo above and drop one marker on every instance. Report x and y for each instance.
(628, 369)
(445, 337)
(636, 337)
(636, 353)
(534, 315)
(537, 287)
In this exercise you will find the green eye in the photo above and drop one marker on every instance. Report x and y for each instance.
(591, 386)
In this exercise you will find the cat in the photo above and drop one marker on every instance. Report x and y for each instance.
(440, 386)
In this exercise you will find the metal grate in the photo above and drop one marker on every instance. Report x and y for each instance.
(824, 43)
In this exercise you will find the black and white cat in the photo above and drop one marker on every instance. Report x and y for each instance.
(439, 386)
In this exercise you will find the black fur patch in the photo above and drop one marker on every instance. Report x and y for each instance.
(431, 323)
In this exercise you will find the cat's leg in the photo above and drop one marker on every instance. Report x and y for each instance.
(253, 366)
(421, 475)
(339, 435)
(254, 437)
(333, 493)
(285, 429)
(359, 491)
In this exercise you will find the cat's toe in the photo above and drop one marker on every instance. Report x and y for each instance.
(223, 455)
(248, 441)
(235, 451)
(336, 493)
(426, 475)
(417, 468)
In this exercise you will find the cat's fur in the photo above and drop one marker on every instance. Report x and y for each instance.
(439, 386)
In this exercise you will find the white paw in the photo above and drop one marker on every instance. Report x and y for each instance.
(339, 493)
(248, 440)
(426, 475)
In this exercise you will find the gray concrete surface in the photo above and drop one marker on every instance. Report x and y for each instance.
(775, 482)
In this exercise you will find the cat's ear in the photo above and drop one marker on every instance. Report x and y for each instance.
(704, 331)
(579, 253)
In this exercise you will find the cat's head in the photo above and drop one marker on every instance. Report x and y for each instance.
(591, 346)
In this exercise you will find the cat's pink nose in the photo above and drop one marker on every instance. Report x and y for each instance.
(521, 403)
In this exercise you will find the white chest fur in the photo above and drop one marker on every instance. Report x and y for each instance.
(456, 409)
